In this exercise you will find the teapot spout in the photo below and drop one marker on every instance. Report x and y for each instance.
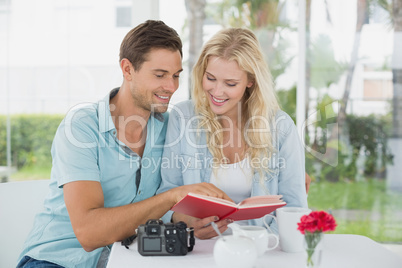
(235, 227)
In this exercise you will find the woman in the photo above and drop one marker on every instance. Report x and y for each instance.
(232, 133)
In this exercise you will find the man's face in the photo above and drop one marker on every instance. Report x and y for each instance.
(154, 83)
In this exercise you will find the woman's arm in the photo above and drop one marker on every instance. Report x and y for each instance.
(202, 227)
(292, 175)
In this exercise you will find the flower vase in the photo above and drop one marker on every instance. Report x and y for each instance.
(313, 249)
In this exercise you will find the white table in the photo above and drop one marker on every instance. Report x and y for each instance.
(339, 251)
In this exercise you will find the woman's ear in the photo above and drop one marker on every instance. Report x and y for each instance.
(250, 84)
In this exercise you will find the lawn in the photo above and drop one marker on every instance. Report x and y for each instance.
(366, 208)
(33, 172)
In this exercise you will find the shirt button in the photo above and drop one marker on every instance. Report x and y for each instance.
(114, 132)
(139, 192)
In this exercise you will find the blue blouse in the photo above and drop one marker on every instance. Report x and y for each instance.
(187, 160)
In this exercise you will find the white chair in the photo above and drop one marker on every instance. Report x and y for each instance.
(19, 202)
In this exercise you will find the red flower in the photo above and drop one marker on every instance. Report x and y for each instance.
(316, 221)
(312, 226)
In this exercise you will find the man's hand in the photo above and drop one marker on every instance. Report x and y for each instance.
(203, 188)
(202, 227)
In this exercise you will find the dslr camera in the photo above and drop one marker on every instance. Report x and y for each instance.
(158, 239)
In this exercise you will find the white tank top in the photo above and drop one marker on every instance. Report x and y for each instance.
(235, 180)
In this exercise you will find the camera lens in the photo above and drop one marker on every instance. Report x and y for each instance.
(181, 225)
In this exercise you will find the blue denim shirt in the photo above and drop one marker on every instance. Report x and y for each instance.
(86, 147)
(187, 160)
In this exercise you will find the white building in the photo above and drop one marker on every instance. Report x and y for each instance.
(55, 54)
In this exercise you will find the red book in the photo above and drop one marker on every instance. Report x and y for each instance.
(202, 206)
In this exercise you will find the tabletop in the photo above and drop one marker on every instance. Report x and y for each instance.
(339, 250)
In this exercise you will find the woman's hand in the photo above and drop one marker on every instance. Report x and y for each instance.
(202, 227)
(308, 181)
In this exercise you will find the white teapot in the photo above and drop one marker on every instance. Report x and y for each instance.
(258, 234)
(235, 251)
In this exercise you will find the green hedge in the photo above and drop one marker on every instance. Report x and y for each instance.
(31, 138)
(366, 139)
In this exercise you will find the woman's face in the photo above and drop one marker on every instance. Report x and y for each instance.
(224, 84)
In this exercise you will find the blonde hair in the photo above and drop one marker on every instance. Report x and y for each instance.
(259, 104)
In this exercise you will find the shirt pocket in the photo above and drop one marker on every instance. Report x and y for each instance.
(274, 163)
(272, 168)
(151, 164)
(272, 175)
(189, 162)
(191, 168)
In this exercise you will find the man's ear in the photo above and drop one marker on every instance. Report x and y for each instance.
(126, 68)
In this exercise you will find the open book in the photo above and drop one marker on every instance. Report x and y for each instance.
(202, 206)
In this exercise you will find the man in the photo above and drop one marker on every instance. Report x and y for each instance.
(106, 159)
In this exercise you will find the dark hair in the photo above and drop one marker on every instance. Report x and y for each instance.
(148, 35)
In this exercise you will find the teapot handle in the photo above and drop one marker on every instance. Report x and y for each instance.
(266, 224)
(270, 233)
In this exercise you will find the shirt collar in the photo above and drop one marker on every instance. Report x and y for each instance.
(158, 116)
(105, 117)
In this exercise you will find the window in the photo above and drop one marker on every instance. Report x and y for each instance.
(68, 54)
(123, 16)
(123, 13)
(5, 10)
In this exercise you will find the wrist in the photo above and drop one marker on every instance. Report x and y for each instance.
(173, 218)
(171, 197)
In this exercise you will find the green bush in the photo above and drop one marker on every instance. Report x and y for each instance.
(31, 139)
(287, 101)
(369, 134)
(366, 135)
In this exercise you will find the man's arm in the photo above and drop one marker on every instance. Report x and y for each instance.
(96, 226)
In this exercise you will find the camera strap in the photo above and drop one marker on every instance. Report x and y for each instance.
(128, 241)
(192, 239)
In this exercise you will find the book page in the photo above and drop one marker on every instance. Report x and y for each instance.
(261, 200)
(214, 199)
(254, 212)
